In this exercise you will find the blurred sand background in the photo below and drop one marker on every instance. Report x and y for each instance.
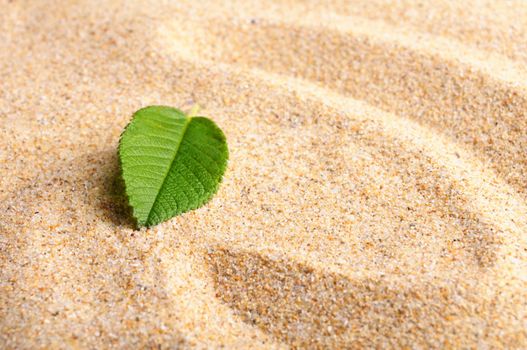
(376, 194)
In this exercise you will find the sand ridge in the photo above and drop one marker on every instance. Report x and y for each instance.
(375, 194)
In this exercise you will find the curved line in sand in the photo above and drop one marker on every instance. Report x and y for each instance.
(497, 66)
(492, 199)
(399, 73)
(439, 18)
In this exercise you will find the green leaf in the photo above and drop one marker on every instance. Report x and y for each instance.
(171, 162)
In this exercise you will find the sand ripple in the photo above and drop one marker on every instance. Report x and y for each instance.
(375, 197)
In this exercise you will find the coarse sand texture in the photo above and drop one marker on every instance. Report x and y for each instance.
(375, 195)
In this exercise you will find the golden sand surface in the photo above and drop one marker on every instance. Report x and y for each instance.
(376, 194)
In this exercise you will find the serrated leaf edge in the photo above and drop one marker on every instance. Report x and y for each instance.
(223, 167)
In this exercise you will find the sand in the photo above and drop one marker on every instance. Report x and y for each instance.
(376, 193)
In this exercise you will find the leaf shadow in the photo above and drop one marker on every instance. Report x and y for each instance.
(114, 201)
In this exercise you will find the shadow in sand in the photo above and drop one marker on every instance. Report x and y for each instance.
(307, 308)
(114, 202)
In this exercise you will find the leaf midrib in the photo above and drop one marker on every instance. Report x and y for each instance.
(185, 127)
